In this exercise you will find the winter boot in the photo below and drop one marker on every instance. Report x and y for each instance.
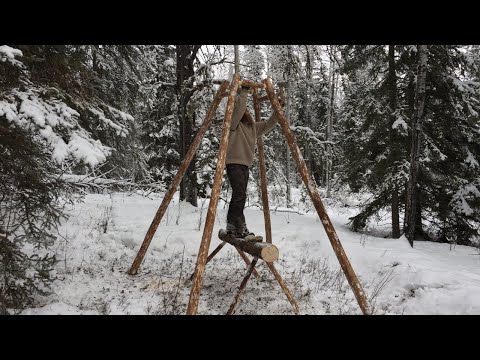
(231, 229)
(246, 234)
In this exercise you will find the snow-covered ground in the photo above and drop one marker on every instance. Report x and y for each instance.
(103, 234)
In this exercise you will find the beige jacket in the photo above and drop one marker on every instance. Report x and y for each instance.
(243, 136)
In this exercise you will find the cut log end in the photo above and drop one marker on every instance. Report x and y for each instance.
(270, 253)
(265, 251)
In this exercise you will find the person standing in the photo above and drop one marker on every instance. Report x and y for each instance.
(244, 132)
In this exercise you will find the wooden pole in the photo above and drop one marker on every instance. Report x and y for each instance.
(247, 260)
(242, 287)
(287, 157)
(212, 208)
(246, 83)
(263, 172)
(177, 179)
(266, 98)
(237, 59)
(217, 250)
(265, 251)
(211, 256)
(284, 287)
(252, 84)
(317, 202)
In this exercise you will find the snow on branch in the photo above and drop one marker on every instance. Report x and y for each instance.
(470, 160)
(312, 135)
(100, 183)
(8, 53)
(119, 128)
(57, 124)
(465, 193)
(431, 144)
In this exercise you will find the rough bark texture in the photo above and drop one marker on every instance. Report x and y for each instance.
(392, 84)
(265, 251)
(237, 60)
(284, 287)
(308, 109)
(395, 215)
(242, 287)
(251, 84)
(330, 116)
(176, 180)
(411, 112)
(287, 154)
(416, 142)
(212, 208)
(186, 55)
(315, 196)
(245, 83)
(263, 173)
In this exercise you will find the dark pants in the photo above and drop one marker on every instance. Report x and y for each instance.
(238, 177)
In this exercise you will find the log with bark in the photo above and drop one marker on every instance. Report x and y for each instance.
(244, 83)
(192, 306)
(178, 177)
(317, 202)
(265, 251)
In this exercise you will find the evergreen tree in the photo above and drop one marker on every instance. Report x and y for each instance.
(254, 60)
(51, 118)
(377, 137)
(450, 153)
(160, 126)
(310, 103)
(375, 130)
(119, 73)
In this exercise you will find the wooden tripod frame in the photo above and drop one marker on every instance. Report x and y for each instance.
(203, 257)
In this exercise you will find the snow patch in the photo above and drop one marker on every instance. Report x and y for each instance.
(399, 124)
(33, 110)
(429, 278)
(471, 160)
(90, 151)
(459, 200)
(8, 53)
(121, 114)
(169, 62)
(8, 109)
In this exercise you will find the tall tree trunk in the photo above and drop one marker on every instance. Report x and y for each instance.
(393, 140)
(237, 59)
(411, 113)
(308, 112)
(331, 102)
(418, 221)
(416, 143)
(287, 155)
(185, 58)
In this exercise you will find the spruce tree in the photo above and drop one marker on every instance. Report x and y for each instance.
(53, 119)
(449, 170)
(375, 130)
